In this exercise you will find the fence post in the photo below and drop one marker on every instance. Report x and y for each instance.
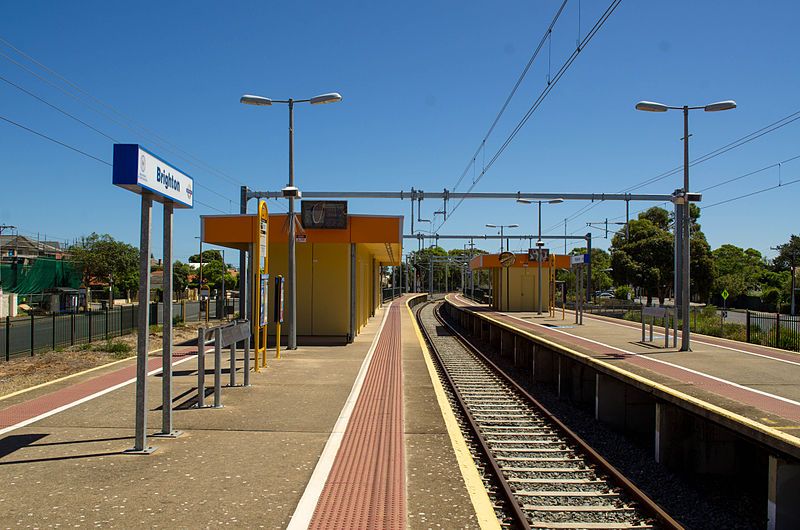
(217, 368)
(777, 330)
(33, 326)
(106, 322)
(72, 329)
(8, 338)
(747, 326)
(90, 325)
(54, 331)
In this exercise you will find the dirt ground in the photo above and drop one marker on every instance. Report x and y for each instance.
(25, 372)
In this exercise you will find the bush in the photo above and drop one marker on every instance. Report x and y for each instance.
(623, 292)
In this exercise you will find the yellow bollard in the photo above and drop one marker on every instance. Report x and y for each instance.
(277, 340)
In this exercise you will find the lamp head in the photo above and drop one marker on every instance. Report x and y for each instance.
(651, 106)
(720, 105)
(331, 97)
(249, 99)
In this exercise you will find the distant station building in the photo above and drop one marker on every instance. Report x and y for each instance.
(516, 287)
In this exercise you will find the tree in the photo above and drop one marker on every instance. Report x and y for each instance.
(738, 270)
(646, 259)
(101, 258)
(180, 276)
(601, 262)
(208, 257)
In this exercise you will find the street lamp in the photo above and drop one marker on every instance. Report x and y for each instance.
(291, 192)
(501, 227)
(539, 244)
(683, 220)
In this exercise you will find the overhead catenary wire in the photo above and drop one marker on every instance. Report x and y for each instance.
(538, 101)
(743, 140)
(482, 146)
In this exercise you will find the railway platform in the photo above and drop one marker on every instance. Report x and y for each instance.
(345, 436)
(724, 408)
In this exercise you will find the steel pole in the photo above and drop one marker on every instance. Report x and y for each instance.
(539, 262)
(143, 329)
(291, 278)
(243, 291)
(686, 234)
(166, 341)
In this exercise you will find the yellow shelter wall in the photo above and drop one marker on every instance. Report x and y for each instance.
(323, 287)
(516, 288)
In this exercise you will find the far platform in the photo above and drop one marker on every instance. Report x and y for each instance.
(751, 389)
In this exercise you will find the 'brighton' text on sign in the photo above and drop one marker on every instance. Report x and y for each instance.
(141, 171)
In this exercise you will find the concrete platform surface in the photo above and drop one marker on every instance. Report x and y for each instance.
(246, 464)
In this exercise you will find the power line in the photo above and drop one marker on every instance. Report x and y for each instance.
(143, 131)
(562, 70)
(482, 145)
(50, 138)
(84, 153)
(726, 201)
(774, 126)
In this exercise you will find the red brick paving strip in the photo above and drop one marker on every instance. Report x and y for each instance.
(366, 487)
(43, 404)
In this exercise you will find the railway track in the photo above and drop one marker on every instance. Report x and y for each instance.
(543, 475)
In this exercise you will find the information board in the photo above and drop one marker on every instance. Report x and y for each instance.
(324, 214)
(533, 254)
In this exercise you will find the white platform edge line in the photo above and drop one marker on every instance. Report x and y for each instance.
(673, 365)
(84, 399)
(677, 366)
(301, 518)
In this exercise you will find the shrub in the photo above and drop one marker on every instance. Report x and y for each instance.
(623, 292)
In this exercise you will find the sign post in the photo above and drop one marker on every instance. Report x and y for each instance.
(277, 314)
(724, 311)
(141, 172)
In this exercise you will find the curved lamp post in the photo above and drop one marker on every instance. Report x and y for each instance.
(683, 221)
(291, 193)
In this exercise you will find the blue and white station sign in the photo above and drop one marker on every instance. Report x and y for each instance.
(138, 170)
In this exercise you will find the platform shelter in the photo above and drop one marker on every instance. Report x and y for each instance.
(516, 287)
(338, 273)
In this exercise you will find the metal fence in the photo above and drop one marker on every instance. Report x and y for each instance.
(773, 329)
(482, 296)
(32, 334)
(390, 293)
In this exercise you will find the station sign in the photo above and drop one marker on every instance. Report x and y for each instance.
(140, 171)
(507, 259)
(579, 259)
(533, 254)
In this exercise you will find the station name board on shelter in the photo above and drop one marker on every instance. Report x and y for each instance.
(138, 170)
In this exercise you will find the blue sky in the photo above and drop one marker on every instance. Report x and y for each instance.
(421, 82)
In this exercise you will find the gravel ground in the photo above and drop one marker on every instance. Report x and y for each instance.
(696, 503)
(515, 415)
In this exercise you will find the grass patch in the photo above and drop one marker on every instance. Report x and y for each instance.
(117, 349)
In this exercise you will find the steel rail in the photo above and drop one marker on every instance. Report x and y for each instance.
(616, 476)
(513, 507)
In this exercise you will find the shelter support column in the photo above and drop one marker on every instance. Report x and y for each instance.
(783, 499)
(352, 292)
